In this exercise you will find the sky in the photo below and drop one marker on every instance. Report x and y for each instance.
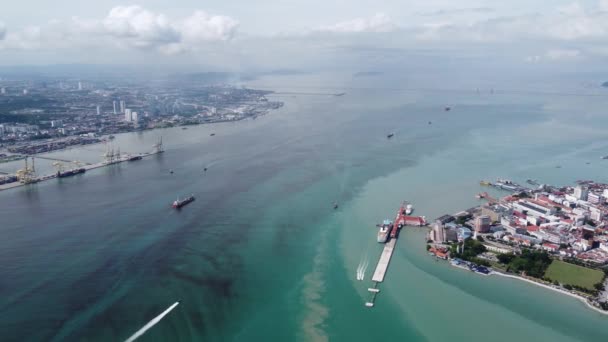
(272, 34)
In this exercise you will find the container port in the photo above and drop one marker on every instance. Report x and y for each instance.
(28, 175)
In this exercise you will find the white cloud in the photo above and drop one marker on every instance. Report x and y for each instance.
(566, 23)
(140, 26)
(555, 55)
(380, 22)
(201, 26)
(127, 27)
(561, 54)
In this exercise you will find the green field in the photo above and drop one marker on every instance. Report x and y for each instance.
(573, 275)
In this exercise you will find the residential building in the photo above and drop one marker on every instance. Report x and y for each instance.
(482, 223)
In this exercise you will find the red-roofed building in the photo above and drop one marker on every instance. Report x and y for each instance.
(551, 247)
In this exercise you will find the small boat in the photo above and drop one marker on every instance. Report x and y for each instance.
(212, 134)
(205, 170)
(604, 157)
(384, 231)
(430, 122)
(335, 205)
(177, 204)
(111, 137)
(184, 127)
(390, 135)
(409, 209)
(171, 171)
(447, 109)
(558, 167)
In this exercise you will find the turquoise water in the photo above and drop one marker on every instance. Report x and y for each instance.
(262, 255)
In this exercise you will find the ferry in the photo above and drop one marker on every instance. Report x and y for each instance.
(390, 135)
(409, 209)
(177, 204)
(385, 229)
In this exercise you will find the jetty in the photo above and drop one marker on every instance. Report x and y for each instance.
(387, 254)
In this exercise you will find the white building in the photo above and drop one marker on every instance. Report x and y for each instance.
(123, 106)
(114, 105)
(580, 193)
(79, 85)
(134, 117)
(534, 209)
(594, 198)
(3, 91)
(128, 116)
(596, 214)
(98, 110)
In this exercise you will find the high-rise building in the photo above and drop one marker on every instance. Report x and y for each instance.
(128, 117)
(438, 233)
(123, 106)
(25, 91)
(482, 224)
(114, 104)
(98, 110)
(3, 91)
(580, 193)
(79, 85)
(134, 117)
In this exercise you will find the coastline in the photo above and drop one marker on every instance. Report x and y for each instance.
(581, 298)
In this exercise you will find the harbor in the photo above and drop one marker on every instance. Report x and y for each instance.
(28, 175)
(401, 220)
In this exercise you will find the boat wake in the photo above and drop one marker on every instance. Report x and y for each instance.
(363, 264)
(151, 323)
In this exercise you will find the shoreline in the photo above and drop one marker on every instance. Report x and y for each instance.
(581, 298)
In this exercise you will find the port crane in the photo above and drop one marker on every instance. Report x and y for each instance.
(158, 147)
(28, 174)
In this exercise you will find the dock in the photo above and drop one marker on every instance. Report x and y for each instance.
(387, 254)
(118, 160)
(385, 259)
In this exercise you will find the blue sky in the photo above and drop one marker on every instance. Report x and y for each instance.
(266, 33)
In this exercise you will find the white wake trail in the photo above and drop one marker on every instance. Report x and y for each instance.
(152, 323)
(364, 268)
(359, 269)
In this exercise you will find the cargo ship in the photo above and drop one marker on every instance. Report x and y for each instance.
(384, 230)
(177, 204)
(70, 172)
(134, 158)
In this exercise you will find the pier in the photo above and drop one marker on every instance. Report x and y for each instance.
(385, 257)
(117, 160)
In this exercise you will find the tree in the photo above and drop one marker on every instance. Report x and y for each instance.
(505, 258)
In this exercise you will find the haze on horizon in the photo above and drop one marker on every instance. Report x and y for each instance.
(268, 34)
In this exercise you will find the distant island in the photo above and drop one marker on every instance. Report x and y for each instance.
(367, 73)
